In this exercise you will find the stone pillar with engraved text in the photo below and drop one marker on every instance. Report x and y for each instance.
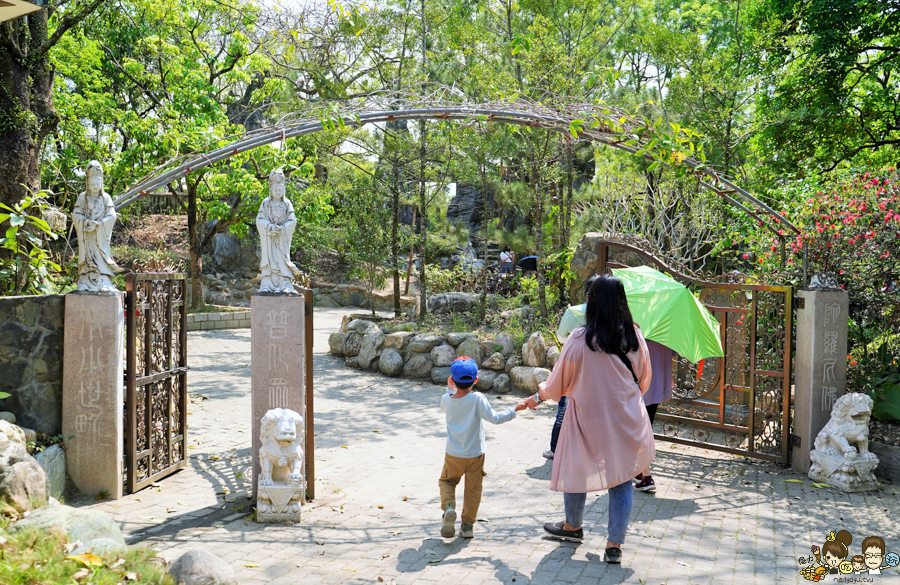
(820, 370)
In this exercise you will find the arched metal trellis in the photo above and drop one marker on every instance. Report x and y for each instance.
(597, 123)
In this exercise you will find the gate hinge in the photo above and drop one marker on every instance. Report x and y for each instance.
(795, 440)
(799, 303)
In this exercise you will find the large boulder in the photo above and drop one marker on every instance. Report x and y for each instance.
(53, 461)
(486, 380)
(512, 362)
(92, 528)
(199, 567)
(391, 362)
(372, 345)
(455, 339)
(443, 355)
(501, 384)
(471, 347)
(352, 344)
(399, 340)
(10, 432)
(495, 362)
(341, 297)
(552, 356)
(526, 378)
(358, 299)
(425, 342)
(22, 480)
(8, 417)
(451, 302)
(440, 375)
(360, 325)
(507, 345)
(417, 366)
(325, 302)
(534, 351)
(336, 343)
(351, 362)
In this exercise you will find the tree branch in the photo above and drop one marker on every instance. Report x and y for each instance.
(68, 22)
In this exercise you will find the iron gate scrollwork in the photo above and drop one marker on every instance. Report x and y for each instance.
(739, 403)
(155, 377)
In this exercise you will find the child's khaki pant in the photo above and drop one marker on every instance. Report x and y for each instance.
(454, 469)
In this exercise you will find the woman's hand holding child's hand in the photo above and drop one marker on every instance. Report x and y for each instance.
(520, 406)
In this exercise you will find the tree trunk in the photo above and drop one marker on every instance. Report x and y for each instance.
(539, 236)
(196, 245)
(27, 115)
(395, 243)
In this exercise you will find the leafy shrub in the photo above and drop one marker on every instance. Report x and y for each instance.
(27, 267)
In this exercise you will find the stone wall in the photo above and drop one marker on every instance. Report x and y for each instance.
(351, 295)
(501, 365)
(31, 355)
(224, 320)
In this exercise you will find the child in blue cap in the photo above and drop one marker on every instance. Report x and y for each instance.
(465, 410)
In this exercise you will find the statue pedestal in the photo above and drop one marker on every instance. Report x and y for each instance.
(820, 367)
(92, 390)
(849, 475)
(279, 503)
(277, 363)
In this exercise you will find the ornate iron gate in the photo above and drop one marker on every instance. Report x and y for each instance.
(155, 377)
(739, 403)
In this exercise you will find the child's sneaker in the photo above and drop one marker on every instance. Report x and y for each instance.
(448, 530)
(645, 485)
(467, 531)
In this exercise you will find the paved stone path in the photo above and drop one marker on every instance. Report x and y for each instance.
(715, 518)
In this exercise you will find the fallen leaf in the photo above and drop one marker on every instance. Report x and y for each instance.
(251, 565)
(117, 564)
(192, 447)
(146, 517)
(381, 507)
(239, 475)
(222, 493)
(344, 447)
(101, 495)
(218, 525)
(214, 458)
(180, 504)
(380, 580)
(682, 563)
(81, 574)
(131, 576)
(70, 546)
(320, 542)
(435, 561)
(87, 559)
(405, 498)
(376, 431)
(821, 485)
(794, 480)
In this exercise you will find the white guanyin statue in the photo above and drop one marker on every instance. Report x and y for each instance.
(275, 222)
(94, 216)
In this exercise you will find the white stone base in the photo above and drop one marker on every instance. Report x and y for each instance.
(279, 503)
(849, 475)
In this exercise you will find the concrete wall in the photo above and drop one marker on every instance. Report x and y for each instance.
(31, 355)
(225, 320)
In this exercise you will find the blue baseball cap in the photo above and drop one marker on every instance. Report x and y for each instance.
(464, 370)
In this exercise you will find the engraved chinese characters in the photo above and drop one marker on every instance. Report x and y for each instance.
(280, 482)
(278, 360)
(94, 216)
(93, 394)
(821, 366)
(275, 222)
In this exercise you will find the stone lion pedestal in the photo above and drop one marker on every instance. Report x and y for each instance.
(841, 457)
(280, 486)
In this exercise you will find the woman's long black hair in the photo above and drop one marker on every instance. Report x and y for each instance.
(609, 326)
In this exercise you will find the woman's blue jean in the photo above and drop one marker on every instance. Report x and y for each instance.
(557, 424)
(619, 510)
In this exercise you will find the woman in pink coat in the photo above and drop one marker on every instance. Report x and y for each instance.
(606, 437)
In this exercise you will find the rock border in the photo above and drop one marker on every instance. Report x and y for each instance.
(365, 345)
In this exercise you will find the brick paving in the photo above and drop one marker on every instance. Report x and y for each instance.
(715, 518)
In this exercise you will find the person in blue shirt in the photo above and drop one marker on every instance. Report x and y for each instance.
(465, 409)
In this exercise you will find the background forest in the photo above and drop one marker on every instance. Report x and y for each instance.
(797, 100)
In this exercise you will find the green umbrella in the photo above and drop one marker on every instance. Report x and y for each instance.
(670, 314)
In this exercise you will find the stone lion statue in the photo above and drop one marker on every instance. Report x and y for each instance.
(847, 433)
(281, 454)
(841, 456)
